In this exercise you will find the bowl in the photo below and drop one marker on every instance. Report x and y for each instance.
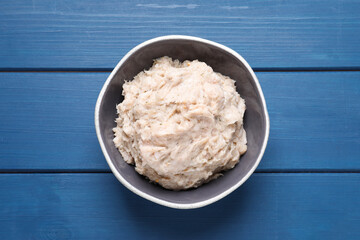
(222, 59)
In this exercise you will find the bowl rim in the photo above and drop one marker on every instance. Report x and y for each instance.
(155, 199)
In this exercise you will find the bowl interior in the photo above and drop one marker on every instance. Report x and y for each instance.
(221, 61)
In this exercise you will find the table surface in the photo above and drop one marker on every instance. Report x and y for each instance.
(55, 57)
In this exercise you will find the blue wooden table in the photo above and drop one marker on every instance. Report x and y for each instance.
(55, 56)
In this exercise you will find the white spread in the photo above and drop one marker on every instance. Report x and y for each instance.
(181, 124)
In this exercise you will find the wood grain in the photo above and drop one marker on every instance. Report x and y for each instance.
(97, 206)
(96, 34)
(46, 121)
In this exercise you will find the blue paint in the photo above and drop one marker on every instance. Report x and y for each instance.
(314, 119)
(96, 34)
(46, 121)
(97, 206)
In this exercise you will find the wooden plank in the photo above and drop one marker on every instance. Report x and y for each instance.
(97, 206)
(314, 120)
(96, 34)
(46, 121)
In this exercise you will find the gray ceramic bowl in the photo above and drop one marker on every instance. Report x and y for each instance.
(221, 59)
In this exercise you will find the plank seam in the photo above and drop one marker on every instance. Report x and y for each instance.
(91, 70)
(108, 171)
